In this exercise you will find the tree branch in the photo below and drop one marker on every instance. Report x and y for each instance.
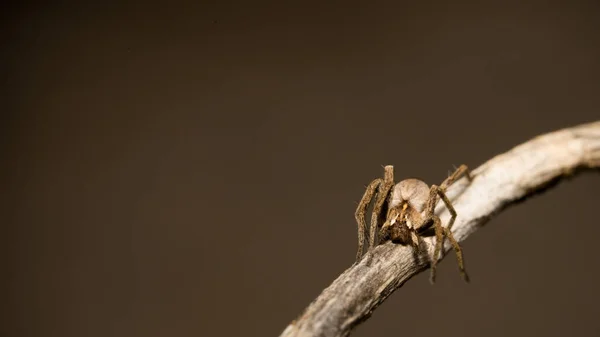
(502, 181)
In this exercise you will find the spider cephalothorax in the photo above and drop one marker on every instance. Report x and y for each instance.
(410, 214)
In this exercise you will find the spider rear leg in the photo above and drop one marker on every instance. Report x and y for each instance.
(361, 210)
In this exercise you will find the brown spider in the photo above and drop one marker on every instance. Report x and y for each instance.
(410, 214)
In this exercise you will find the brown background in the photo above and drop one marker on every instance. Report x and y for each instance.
(193, 169)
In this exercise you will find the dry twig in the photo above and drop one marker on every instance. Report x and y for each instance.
(502, 181)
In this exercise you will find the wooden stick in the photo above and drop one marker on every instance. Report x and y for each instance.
(506, 179)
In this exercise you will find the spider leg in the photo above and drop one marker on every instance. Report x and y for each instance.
(440, 231)
(460, 171)
(392, 213)
(360, 214)
(382, 195)
(439, 240)
(458, 251)
(451, 209)
(448, 232)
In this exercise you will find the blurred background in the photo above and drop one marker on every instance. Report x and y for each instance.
(192, 169)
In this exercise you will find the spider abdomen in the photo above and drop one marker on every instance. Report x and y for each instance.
(414, 191)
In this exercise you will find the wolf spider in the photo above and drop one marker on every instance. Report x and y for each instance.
(410, 214)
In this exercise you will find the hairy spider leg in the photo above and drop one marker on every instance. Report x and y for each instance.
(439, 239)
(451, 209)
(450, 236)
(459, 255)
(361, 210)
(460, 171)
(434, 192)
(382, 195)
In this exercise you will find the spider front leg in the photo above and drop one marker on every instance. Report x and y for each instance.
(382, 195)
(382, 187)
(423, 226)
(361, 210)
(440, 231)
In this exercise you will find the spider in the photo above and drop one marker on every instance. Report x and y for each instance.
(410, 214)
